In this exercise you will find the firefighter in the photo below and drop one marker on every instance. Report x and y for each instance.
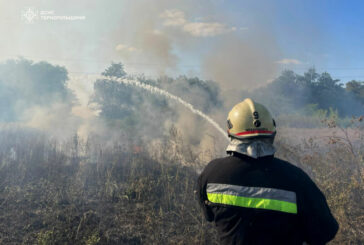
(255, 198)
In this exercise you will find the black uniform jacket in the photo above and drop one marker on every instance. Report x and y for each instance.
(264, 201)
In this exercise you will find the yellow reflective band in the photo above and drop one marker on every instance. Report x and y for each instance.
(251, 202)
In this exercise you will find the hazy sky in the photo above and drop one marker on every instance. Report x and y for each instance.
(189, 37)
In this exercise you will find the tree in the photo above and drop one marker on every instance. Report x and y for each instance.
(291, 92)
(356, 88)
(142, 112)
(115, 70)
(131, 109)
(25, 84)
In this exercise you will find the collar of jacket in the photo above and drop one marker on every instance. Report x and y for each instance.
(254, 147)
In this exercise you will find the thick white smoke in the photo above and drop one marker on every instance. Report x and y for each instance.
(156, 90)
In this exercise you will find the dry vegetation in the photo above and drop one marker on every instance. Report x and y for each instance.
(86, 192)
(334, 158)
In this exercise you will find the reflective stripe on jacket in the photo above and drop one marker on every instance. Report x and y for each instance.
(252, 197)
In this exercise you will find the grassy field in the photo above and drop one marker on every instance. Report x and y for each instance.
(88, 192)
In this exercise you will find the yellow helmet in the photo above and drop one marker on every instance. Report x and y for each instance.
(250, 119)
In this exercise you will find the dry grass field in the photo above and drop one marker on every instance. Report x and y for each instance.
(86, 192)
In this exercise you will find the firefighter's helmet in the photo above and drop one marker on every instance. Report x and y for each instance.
(250, 119)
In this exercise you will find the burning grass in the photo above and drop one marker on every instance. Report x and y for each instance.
(85, 192)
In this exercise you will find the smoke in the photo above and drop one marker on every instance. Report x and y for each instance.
(55, 119)
(140, 40)
(152, 37)
(239, 58)
(155, 36)
(238, 63)
(162, 92)
(35, 95)
(204, 95)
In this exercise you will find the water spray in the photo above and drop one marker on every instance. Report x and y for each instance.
(155, 90)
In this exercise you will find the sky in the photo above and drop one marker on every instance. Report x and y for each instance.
(223, 40)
